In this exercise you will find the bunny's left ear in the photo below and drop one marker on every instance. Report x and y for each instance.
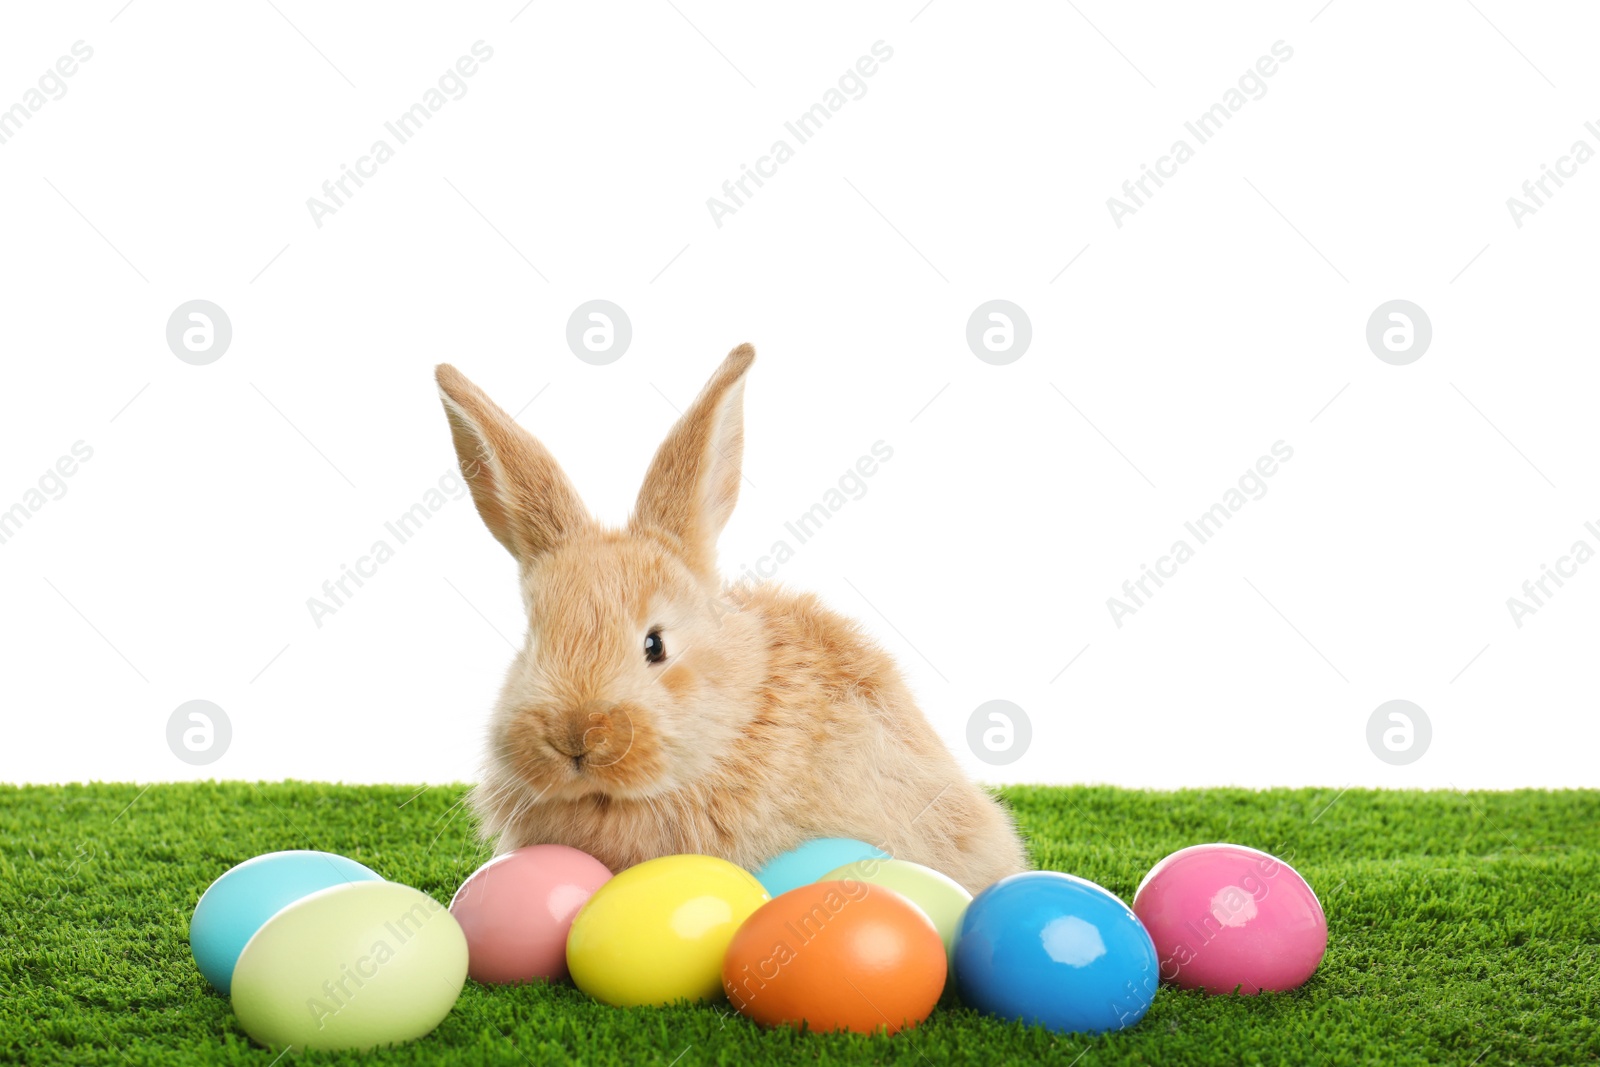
(692, 485)
(520, 490)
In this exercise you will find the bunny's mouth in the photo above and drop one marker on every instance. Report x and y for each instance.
(580, 759)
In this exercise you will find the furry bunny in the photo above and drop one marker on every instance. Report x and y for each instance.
(653, 711)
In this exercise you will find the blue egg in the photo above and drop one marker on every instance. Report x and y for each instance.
(804, 865)
(243, 899)
(1055, 951)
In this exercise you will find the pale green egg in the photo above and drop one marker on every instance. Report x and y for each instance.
(941, 898)
(351, 967)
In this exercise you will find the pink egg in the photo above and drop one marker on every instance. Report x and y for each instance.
(516, 911)
(1226, 917)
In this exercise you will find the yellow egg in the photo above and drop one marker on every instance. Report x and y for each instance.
(352, 967)
(657, 932)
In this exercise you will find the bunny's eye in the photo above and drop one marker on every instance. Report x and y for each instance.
(655, 649)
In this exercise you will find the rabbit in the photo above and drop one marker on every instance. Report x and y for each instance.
(653, 711)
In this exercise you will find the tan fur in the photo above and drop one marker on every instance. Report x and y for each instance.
(772, 720)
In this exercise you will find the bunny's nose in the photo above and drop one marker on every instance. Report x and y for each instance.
(587, 727)
(595, 734)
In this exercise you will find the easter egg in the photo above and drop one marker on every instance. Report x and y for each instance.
(1056, 951)
(1226, 917)
(942, 899)
(810, 861)
(836, 955)
(247, 895)
(657, 932)
(517, 909)
(352, 967)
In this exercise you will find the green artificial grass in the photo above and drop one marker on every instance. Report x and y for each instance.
(1464, 928)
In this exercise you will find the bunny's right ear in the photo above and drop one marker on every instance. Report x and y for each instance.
(520, 490)
(693, 483)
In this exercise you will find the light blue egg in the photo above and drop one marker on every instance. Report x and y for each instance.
(243, 899)
(804, 865)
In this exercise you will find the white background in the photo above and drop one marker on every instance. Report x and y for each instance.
(1227, 314)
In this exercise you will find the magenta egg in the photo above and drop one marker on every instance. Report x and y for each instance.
(1226, 917)
(516, 911)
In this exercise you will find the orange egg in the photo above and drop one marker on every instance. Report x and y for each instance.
(838, 955)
